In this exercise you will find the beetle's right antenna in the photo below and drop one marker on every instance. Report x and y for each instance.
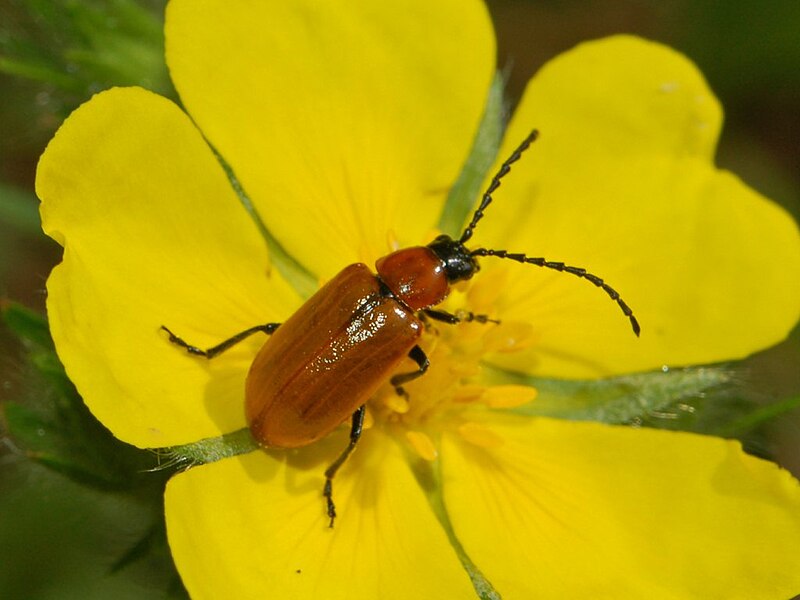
(559, 266)
(487, 195)
(539, 262)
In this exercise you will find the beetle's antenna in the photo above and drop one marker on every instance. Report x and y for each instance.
(559, 266)
(495, 183)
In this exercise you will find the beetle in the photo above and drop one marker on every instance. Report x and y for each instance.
(323, 364)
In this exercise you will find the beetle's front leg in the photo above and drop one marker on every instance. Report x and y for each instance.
(268, 328)
(330, 472)
(461, 317)
(418, 356)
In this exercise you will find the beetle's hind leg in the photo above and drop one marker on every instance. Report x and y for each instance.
(461, 317)
(268, 328)
(355, 434)
(418, 356)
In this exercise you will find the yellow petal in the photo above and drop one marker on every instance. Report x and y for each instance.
(623, 96)
(152, 235)
(621, 183)
(345, 122)
(592, 511)
(255, 527)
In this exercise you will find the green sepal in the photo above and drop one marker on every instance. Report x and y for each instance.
(461, 199)
(208, 450)
(429, 476)
(301, 279)
(617, 399)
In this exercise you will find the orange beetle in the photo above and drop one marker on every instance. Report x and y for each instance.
(324, 363)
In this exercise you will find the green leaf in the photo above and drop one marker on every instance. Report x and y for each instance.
(152, 550)
(66, 438)
(618, 399)
(83, 47)
(35, 71)
(61, 539)
(19, 208)
(461, 200)
(757, 417)
(52, 425)
(102, 492)
(28, 325)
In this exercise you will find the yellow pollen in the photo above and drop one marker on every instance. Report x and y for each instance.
(422, 445)
(480, 436)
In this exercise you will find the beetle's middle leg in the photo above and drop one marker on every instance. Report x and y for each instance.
(268, 328)
(451, 319)
(418, 356)
(355, 434)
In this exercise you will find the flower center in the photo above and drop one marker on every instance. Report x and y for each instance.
(439, 399)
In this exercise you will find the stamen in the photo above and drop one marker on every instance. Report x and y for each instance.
(369, 419)
(480, 436)
(396, 403)
(508, 396)
(465, 369)
(422, 445)
(469, 393)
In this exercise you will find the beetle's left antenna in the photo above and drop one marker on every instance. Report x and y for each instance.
(495, 183)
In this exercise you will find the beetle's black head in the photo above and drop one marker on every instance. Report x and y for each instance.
(459, 264)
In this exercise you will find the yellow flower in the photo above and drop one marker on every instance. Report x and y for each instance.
(346, 126)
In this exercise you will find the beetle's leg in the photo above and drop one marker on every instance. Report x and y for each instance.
(418, 356)
(330, 472)
(268, 328)
(462, 317)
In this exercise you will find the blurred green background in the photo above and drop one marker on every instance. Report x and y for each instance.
(91, 528)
